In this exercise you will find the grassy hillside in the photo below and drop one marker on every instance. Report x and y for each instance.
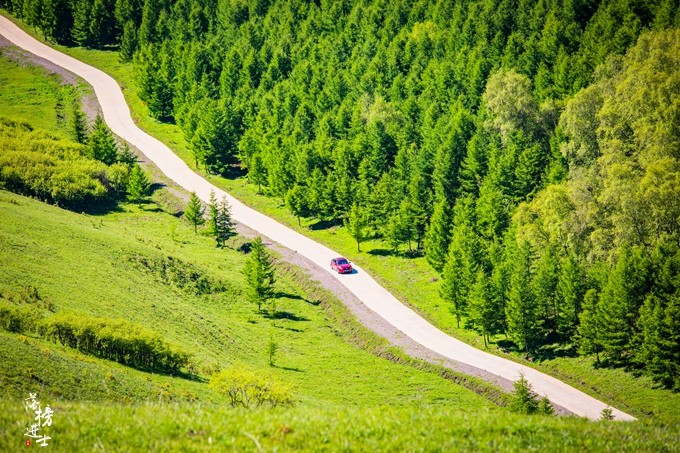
(411, 279)
(57, 261)
(30, 94)
(198, 427)
(92, 266)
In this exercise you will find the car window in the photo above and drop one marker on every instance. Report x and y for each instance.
(342, 261)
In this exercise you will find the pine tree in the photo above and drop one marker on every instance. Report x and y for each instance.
(225, 224)
(659, 352)
(101, 144)
(398, 229)
(212, 217)
(357, 223)
(545, 407)
(618, 308)
(259, 272)
(126, 156)
(570, 293)
(544, 287)
(296, 200)
(590, 330)
(78, 127)
(459, 272)
(438, 236)
(482, 314)
(257, 173)
(138, 185)
(81, 23)
(523, 399)
(522, 310)
(128, 42)
(194, 212)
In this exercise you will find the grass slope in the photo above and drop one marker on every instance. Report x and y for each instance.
(28, 93)
(88, 265)
(196, 427)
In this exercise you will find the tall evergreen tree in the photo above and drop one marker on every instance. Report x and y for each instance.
(483, 313)
(619, 306)
(522, 309)
(260, 275)
(590, 328)
(357, 223)
(225, 223)
(660, 339)
(77, 126)
(101, 144)
(438, 236)
(138, 185)
(194, 212)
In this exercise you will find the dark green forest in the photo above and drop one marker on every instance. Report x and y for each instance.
(529, 148)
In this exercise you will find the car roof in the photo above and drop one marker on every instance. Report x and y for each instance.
(340, 258)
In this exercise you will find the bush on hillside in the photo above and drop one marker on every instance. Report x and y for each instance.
(115, 339)
(246, 387)
(17, 319)
(56, 170)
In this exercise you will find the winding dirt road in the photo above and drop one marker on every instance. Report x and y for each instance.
(117, 115)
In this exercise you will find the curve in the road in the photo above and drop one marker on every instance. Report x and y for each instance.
(117, 115)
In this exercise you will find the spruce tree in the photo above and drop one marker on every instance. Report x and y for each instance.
(438, 236)
(101, 144)
(522, 309)
(482, 313)
(194, 212)
(138, 185)
(618, 309)
(590, 330)
(212, 217)
(523, 399)
(259, 272)
(570, 292)
(225, 224)
(455, 285)
(296, 200)
(81, 23)
(357, 223)
(659, 351)
(128, 42)
(257, 173)
(78, 127)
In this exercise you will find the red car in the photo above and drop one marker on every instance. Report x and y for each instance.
(341, 265)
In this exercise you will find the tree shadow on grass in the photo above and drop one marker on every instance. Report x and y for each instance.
(100, 208)
(297, 370)
(545, 352)
(324, 224)
(285, 315)
(234, 171)
(283, 294)
(396, 253)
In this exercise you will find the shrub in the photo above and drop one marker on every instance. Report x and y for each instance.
(246, 387)
(17, 319)
(525, 401)
(55, 170)
(115, 339)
